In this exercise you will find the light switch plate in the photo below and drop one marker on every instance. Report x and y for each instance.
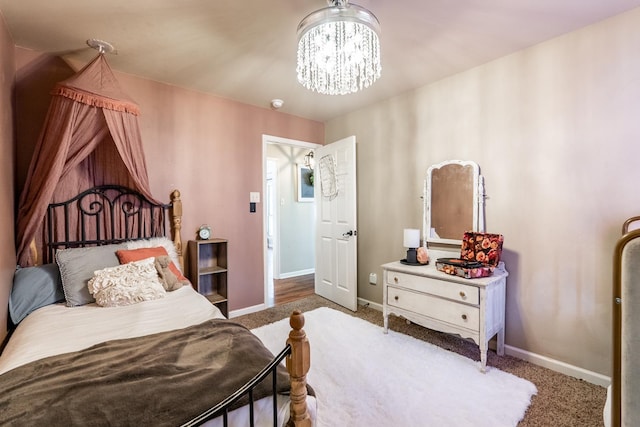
(254, 197)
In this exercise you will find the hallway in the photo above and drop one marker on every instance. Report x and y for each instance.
(281, 291)
(294, 288)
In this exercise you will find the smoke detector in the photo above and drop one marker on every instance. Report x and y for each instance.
(276, 104)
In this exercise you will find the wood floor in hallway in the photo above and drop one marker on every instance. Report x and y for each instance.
(294, 288)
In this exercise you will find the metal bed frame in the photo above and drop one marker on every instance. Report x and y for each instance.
(110, 214)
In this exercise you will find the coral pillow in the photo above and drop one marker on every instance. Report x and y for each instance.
(129, 255)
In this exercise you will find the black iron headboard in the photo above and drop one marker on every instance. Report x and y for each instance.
(109, 214)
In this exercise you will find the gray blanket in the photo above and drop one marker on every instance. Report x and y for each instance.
(158, 380)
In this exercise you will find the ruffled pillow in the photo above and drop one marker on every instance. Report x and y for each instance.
(129, 255)
(77, 266)
(126, 284)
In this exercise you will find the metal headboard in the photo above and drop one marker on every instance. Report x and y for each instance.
(109, 214)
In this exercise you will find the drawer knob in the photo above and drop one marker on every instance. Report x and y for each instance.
(462, 294)
(464, 317)
(396, 298)
(395, 279)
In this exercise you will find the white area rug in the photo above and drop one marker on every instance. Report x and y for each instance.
(363, 377)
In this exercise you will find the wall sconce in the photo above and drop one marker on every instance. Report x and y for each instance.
(411, 241)
(309, 161)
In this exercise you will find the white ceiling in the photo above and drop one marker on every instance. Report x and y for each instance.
(245, 49)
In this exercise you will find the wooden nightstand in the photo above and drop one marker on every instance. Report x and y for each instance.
(208, 270)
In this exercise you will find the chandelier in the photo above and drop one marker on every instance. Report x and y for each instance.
(338, 49)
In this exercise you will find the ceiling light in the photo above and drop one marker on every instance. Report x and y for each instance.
(101, 46)
(339, 49)
(309, 161)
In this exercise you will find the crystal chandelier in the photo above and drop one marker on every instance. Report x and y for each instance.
(339, 49)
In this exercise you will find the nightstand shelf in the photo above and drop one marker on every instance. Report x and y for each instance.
(216, 298)
(208, 270)
(212, 270)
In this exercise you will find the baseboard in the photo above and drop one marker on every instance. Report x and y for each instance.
(247, 310)
(297, 273)
(558, 366)
(367, 303)
(536, 359)
(260, 307)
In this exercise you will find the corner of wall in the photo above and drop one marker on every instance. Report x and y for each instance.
(7, 190)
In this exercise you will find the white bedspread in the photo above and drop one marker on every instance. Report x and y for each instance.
(58, 329)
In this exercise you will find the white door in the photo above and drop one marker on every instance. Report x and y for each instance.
(336, 236)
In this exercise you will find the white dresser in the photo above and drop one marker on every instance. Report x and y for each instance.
(471, 308)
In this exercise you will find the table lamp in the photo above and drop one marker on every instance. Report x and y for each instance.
(412, 241)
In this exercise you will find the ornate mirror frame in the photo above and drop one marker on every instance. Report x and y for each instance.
(453, 202)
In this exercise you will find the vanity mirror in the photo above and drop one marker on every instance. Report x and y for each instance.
(453, 201)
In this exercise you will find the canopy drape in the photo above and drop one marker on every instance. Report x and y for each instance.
(90, 137)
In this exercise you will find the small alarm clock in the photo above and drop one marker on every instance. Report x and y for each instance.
(204, 232)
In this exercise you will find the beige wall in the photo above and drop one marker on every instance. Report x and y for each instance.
(554, 128)
(556, 131)
(207, 147)
(7, 247)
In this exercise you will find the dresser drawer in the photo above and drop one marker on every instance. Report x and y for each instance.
(454, 291)
(451, 312)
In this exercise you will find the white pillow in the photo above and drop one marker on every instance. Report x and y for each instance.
(126, 284)
(153, 242)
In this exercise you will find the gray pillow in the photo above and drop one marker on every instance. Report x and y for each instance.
(77, 266)
(34, 287)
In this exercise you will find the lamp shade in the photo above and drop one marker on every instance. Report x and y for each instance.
(411, 237)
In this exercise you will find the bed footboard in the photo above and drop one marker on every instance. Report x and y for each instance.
(298, 361)
(298, 364)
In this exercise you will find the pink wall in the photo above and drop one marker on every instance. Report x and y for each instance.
(211, 150)
(207, 147)
(7, 248)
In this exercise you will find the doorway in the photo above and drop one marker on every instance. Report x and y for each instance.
(289, 216)
(337, 215)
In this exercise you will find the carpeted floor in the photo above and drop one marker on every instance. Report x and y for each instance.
(561, 400)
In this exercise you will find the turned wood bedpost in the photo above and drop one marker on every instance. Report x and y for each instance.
(298, 364)
(176, 224)
(33, 248)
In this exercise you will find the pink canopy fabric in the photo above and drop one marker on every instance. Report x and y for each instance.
(90, 137)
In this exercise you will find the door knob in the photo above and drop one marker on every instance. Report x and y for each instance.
(350, 233)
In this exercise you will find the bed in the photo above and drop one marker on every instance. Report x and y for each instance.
(108, 331)
(623, 407)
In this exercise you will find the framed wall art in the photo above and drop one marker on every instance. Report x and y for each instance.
(304, 179)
